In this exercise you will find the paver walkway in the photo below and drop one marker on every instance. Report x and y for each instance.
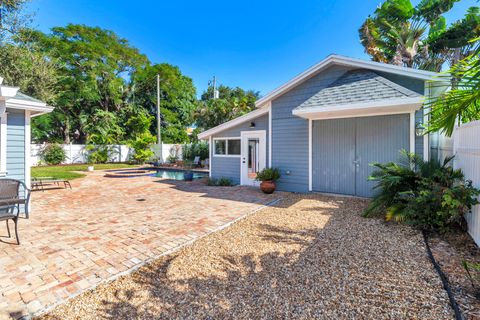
(103, 227)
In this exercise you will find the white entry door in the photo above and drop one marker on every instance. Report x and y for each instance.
(253, 158)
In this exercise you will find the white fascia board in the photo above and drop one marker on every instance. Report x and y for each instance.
(385, 107)
(31, 106)
(232, 123)
(8, 92)
(345, 61)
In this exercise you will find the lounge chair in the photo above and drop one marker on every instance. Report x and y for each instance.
(196, 162)
(11, 200)
(39, 183)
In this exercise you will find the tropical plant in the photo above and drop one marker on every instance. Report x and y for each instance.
(190, 151)
(53, 154)
(473, 274)
(428, 194)
(461, 103)
(401, 34)
(268, 174)
(94, 71)
(220, 182)
(141, 146)
(230, 104)
(177, 99)
(172, 158)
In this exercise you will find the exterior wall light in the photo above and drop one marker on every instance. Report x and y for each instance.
(419, 129)
(252, 124)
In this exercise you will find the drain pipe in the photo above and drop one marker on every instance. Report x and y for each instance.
(446, 285)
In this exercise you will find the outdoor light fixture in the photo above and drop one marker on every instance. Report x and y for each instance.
(419, 129)
(252, 124)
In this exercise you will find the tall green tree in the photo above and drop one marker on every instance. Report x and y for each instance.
(177, 102)
(231, 103)
(12, 18)
(95, 67)
(21, 63)
(418, 37)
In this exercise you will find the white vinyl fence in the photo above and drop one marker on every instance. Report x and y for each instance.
(76, 153)
(466, 147)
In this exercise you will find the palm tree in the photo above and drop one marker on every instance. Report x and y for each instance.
(461, 103)
(401, 34)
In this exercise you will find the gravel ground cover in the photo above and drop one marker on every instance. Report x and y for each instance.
(450, 250)
(307, 257)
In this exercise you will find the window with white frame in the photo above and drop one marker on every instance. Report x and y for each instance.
(226, 147)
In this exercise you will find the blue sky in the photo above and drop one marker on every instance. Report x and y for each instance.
(252, 44)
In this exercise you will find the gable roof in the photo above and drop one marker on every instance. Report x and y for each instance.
(16, 100)
(24, 97)
(357, 86)
(345, 61)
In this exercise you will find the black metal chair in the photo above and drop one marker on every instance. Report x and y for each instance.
(11, 200)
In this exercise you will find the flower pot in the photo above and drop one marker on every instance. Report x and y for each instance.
(188, 176)
(268, 186)
(90, 168)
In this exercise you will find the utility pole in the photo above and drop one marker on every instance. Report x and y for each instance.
(214, 85)
(159, 120)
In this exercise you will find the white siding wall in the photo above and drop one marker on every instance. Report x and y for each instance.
(466, 147)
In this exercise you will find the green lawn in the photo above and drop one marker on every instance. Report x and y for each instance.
(66, 172)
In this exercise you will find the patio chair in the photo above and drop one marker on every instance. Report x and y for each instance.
(196, 161)
(11, 200)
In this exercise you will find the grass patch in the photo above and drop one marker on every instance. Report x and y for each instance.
(67, 172)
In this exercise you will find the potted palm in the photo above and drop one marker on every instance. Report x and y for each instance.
(268, 177)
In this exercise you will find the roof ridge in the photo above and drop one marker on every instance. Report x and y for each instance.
(395, 86)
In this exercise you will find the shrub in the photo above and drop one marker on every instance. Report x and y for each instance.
(224, 182)
(268, 174)
(98, 153)
(53, 154)
(172, 158)
(221, 182)
(426, 194)
(473, 274)
(141, 146)
(190, 151)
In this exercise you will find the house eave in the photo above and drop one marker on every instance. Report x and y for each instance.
(36, 107)
(344, 61)
(232, 123)
(363, 109)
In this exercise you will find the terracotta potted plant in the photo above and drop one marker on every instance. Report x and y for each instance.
(268, 177)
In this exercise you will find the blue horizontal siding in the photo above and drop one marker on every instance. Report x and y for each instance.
(16, 144)
(290, 133)
(229, 167)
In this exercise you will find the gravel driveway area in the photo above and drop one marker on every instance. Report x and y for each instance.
(308, 256)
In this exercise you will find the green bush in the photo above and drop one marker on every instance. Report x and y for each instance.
(268, 174)
(172, 158)
(221, 182)
(141, 146)
(426, 194)
(53, 154)
(98, 153)
(190, 151)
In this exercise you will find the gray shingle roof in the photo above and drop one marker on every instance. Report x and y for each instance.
(21, 96)
(357, 86)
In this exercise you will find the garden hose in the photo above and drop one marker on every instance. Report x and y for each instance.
(446, 285)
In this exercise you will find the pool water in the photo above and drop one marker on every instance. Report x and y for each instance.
(176, 175)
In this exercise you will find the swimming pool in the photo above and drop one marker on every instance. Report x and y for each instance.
(177, 174)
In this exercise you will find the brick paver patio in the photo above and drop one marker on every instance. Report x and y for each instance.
(104, 227)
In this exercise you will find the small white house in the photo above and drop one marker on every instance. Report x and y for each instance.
(16, 110)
